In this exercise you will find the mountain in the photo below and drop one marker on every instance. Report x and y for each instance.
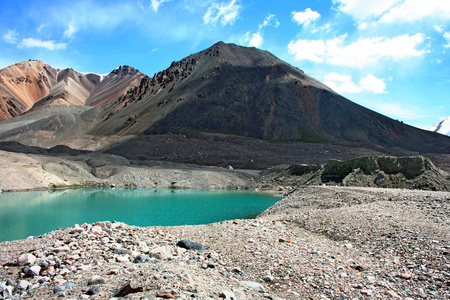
(33, 85)
(443, 127)
(225, 89)
(249, 92)
(22, 84)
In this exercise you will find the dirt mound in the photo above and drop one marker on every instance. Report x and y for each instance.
(412, 172)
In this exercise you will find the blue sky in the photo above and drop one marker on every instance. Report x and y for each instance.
(392, 56)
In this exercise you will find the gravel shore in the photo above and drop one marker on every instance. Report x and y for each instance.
(318, 243)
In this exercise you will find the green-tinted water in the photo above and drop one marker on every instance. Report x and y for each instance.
(26, 214)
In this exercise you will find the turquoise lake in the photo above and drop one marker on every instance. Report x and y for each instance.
(24, 214)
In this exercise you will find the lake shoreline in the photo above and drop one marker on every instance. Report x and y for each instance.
(319, 242)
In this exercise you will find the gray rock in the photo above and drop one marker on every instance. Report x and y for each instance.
(42, 262)
(121, 250)
(255, 286)
(22, 286)
(93, 290)
(58, 289)
(26, 259)
(96, 279)
(34, 271)
(190, 245)
(141, 258)
(227, 295)
(5, 290)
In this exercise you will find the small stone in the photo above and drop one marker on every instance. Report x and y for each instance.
(34, 271)
(42, 262)
(406, 276)
(5, 290)
(371, 279)
(22, 286)
(190, 245)
(392, 294)
(269, 278)
(26, 259)
(112, 272)
(96, 279)
(97, 230)
(122, 259)
(366, 292)
(128, 289)
(121, 250)
(165, 296)
(93, 290)
(59, 288)
(227, 295)
(141, 258)
(164, 252)
(257, 287)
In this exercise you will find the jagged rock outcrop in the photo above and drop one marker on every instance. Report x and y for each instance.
(412, 172)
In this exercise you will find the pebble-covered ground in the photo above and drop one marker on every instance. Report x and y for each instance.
(318, 243)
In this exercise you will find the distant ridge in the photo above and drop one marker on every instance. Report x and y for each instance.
(33, 85)
(224, 89)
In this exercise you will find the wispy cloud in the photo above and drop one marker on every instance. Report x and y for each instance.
(11, 37)
(225, 13)
(70, 31)
(257, 39)
(343, 84)
(155, 4)
(305, 17)
(37, 43)
(390, 11)
(363, 52)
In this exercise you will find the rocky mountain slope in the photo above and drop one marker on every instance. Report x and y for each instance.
(22, 84)
(33, 85)
(225, 89)
(249, 92)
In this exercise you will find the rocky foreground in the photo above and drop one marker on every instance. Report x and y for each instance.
(318, 243)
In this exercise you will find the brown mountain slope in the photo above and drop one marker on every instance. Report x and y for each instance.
(23, 84)
(33, 85)
(249, 92)
(113, 86)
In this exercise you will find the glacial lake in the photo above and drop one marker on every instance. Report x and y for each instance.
(24, 214)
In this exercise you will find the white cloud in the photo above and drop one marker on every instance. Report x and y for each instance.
(390, 11)
(447, 37)
(155, 4)
(363, 52)
(70, 31)
(256, 40)
(10, 37)
(36, 43)
(438, 28)
(373, 84)
(305, 17)
(343, 84)
(40, 27)
(224, 12)
(363, 9)
(416, 10)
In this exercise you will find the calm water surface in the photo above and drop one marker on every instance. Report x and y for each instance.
(24, 214)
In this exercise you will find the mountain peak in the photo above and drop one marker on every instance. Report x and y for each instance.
(443, 127)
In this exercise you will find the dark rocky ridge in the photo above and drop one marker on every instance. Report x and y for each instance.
(249, 92)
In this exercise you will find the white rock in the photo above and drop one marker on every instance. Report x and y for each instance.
(164, 252)
(257, 287)
(26, 259)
